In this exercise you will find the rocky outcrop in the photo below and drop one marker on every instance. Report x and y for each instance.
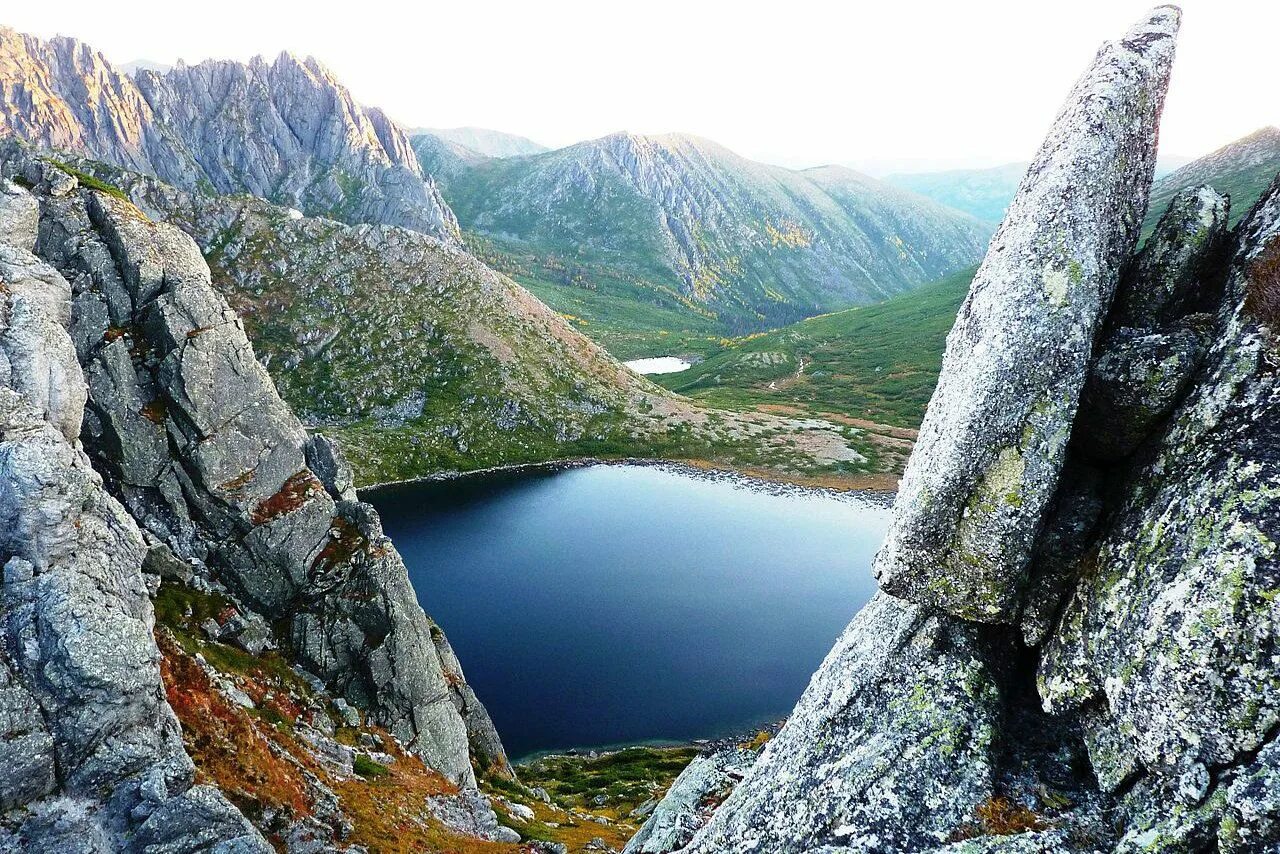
(892, 744)
(189, 433)
(1168, 640)
(286, 130)
(1133, 706)
(1244, 168)
(993, 441)
(92, 751)
(691, 800)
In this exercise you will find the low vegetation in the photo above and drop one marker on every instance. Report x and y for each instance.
(621, 780)
(876, 363)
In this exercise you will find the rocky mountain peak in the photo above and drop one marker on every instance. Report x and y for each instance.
(990, 450)
(284, 129)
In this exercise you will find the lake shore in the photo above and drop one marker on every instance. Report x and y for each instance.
(880, 488)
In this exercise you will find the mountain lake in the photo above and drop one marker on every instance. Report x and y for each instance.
(620, 604)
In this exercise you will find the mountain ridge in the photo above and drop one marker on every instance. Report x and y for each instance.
(749, 241)
(284, 129)
(486, 141)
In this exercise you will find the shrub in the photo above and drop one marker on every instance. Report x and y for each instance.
(368, 769)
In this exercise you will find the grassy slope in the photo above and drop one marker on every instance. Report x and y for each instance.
(1245, 186)
(877, 362)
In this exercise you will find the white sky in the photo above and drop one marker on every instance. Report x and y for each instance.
(885, 85)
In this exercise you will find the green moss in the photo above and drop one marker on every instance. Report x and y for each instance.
(626, 777)
(369, 769)
(90, 182)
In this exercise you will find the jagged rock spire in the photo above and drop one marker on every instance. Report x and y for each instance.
(987, 462)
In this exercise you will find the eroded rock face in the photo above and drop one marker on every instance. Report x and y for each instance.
(287, 130)
(987, 462)
(689, 803)
(92, 752)
(189, 432)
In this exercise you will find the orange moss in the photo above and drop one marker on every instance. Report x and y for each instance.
(345, 541)
(226, 744)
(300, 488)
(1262, 297)
(1003, 817)
(233, 750)
(156, 411)
(238, 482)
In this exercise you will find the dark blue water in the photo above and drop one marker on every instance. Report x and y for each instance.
(615, 604)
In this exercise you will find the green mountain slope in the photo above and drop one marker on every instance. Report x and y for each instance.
(878, 363)
(881, 362)
(685, 225)
(419, 359)
(1242, 169)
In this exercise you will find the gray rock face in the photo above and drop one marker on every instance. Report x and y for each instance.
(286, 130)
(91, 749)
(1172, 628)
(1134, 383)
(987, 461)
(891, 747)
(37, 359)
(468, 812)
(1169, 276)
(688, 804)
(188, 430)
(20, 215)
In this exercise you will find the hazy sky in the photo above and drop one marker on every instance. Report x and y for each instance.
(883, 85)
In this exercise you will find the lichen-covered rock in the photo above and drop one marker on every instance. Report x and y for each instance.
(690, 801)
(37, 359)
(469, 812)
(92, 751)
(1172, 627)
(19, 216)
(891, 747)
(1062, 544)
(188, 429)
(1135, 382)
(327, 461)
(26, 746)
(1169, 277)
(986, 465)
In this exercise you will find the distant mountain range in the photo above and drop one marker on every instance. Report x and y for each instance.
(985, 193)
(981, 193)
(490, 143)
(285, 130)
(750, 244)
(881, 362)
